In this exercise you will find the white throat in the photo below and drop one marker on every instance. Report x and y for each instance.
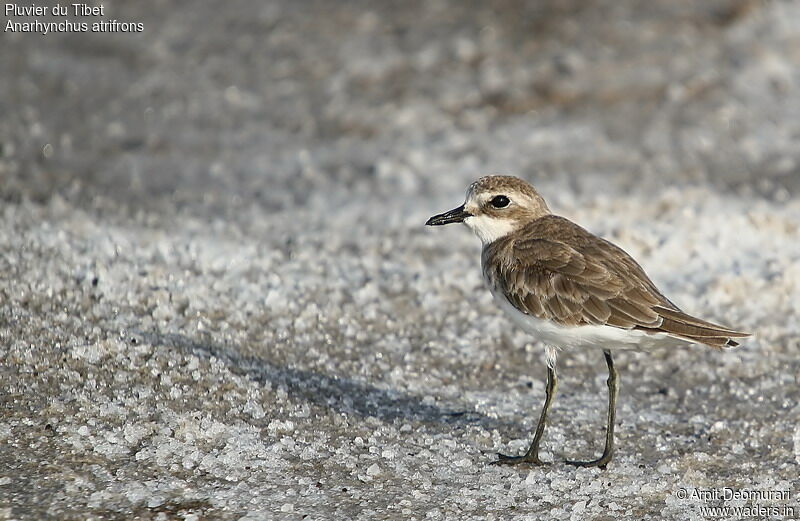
(489, 229)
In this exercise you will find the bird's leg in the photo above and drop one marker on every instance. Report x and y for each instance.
(532, 455)
(613, 391)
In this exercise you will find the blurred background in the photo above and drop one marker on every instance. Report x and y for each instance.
(271, 104)
(218, 299)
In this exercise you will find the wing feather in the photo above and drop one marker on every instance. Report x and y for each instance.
(558, 271)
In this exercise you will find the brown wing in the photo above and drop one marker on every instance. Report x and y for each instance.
(558, 271)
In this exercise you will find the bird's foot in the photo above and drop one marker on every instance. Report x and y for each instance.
(600, 462)
(527, 459)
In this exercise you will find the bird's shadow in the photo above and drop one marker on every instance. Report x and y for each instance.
(337, 393)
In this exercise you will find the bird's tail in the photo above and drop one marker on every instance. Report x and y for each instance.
(679, 324)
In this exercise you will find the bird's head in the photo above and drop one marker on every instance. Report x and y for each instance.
(495, 206)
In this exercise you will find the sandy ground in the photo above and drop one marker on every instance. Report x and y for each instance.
(218, 301)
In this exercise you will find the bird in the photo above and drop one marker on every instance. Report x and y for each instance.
(571, 290)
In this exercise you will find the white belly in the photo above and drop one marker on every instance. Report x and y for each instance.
(588, 336)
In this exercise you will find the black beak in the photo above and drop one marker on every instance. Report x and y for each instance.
(455, 215)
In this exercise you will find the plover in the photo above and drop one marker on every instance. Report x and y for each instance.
(570, 289)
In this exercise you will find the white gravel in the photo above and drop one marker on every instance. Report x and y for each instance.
(218, 299)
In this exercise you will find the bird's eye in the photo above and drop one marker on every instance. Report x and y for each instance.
(500, 201)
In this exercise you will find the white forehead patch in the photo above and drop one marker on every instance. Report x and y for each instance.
(489, 229)
(478, 199)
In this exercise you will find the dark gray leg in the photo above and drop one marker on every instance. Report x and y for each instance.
(532, 455)
(613, 390)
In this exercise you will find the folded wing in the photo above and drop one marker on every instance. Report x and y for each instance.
(563, 273)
